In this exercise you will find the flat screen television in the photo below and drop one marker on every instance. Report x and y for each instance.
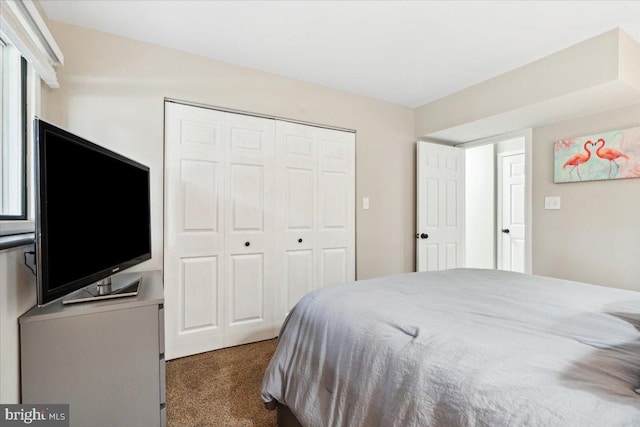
(92, 214)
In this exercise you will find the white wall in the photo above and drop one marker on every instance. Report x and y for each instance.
(480, 206)
(112, 92)
(592, 76)
(515, 144)
(17, 295)
(595, 236)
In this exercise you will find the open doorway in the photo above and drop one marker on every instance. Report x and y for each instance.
(496, 204)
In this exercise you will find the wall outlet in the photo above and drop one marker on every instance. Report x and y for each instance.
(552, 202)
(365, 203)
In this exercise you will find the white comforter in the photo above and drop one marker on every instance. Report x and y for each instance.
(460, 348)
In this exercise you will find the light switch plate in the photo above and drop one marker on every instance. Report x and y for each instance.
(365, 203)
(552, 202)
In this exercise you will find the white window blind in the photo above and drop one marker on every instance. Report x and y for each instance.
(22, 26)
(24, 35)
(11, 140)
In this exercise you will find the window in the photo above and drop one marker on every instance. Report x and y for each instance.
(23, 34)
(13, 138)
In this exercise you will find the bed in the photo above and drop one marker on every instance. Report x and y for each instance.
(459, 347)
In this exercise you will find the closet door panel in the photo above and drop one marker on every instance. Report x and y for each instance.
(298, 237)
(297, 213)
(299, 191)
(247, 285)
(247, 197)
(200, 196)
(299, 276)
(335, 236)
(199, 293)
(250, 233)
(194, 229)
(333, 266)
(334, 200)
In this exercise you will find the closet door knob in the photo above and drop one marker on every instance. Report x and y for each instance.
(247, 243)
(424, 236)
(299, 240)
(506, 231)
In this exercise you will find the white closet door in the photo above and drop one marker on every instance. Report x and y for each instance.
(194, 229)
(335, 236)
(253, 222)
(297, 213)
(250, 249)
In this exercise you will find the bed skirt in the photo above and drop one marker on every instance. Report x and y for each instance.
(286, 417)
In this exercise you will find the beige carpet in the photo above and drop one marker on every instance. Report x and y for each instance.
(219, 388)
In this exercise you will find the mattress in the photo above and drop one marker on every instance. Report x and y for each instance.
(460, 348)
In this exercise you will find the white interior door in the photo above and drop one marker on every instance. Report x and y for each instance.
(251, 264)
(194, 229)
(511, 208)
(440, 207)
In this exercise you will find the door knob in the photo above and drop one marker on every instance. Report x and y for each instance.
(505, 231)
(247, 243)
(424, 236)
(299, 240)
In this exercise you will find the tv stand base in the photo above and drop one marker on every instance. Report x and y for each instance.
(118, 286)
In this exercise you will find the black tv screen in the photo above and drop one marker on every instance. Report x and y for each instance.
(93, 212)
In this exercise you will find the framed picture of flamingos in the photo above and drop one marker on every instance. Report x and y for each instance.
(607, 155)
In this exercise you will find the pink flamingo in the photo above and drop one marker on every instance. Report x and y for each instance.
(577, 159)
(609, 154)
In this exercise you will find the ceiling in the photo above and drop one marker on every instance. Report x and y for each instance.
(408, 53)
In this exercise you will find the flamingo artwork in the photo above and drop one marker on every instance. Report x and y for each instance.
(609, 154)
(577, 159)
(585, 158)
